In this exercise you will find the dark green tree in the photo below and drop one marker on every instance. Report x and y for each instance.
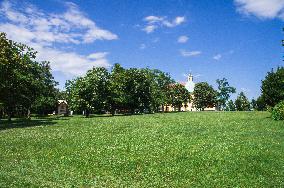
(179, 95)
(117, 87)
(47, 101)
(162, 91)
(260, 103)
(89, 93)
(204, 96)
(223, 92)
(253, 104)
(273, 87)
(22, 79)
(242, 103)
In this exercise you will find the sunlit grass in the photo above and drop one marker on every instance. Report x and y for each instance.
(213, 149)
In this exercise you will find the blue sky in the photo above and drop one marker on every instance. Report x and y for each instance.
(239, 39)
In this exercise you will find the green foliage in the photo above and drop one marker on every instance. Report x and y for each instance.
(47, 101)
(238, 149)
(223, 93)
(123, 90)
(273, 87)
(178, 95)
(89, 93)
(230, 106)
(242, 103)
(22, 79)
(253, 104)
(278, 111)
(204, 96)
(260, 103)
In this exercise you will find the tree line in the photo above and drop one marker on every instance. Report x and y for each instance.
(123, 90)
(27, 86)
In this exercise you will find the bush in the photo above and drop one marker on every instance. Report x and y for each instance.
(278, 111)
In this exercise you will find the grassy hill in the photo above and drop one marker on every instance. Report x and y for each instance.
(215, 149)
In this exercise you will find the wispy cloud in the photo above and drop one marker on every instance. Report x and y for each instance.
(217, 57)
(42, 31)
(155, 22)
(99, 55)
(149, 28)
(182, 39)
(264, 9)
(142, 46)
(185, 53)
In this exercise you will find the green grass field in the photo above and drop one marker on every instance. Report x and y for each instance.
(190, 149)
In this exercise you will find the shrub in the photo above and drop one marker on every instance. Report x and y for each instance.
(278, 111)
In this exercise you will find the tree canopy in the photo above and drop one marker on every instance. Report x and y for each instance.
(204, 96)
(242, 103)
(272, 88)
(22, 80)
(120, 90)
(223, 93)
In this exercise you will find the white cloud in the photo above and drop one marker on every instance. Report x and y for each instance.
(150, 28)
(142, 46)
(99, 55)
(264, 9)
(70, 63)
(217, 57)
(43, 31)
(190, 53)
(183, 39)
(179, 20)
(153, 19)
(154, 22)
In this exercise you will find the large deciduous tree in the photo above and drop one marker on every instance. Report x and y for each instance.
(223, 93)
(47, 101)
(242, 103)
(272, 88)
(179, 95)
(89, 93)
(22, 79)
(204, 96)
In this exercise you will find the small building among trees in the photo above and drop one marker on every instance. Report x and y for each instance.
(62, 107)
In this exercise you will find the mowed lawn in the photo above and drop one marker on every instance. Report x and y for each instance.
(189, 149)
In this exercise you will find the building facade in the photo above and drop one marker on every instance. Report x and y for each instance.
(189, 85)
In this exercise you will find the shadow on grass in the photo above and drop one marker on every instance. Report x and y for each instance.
(37, 121)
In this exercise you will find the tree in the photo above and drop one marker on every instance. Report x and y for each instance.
(163, 82)
(260, 103)
(242, 103)
(253, 104)
(77, 97)
(22, 79)
(223, 93)
(204, 96)
(47, 101)
(179, 95)
(273, 87)
(89, 93)
(117, 98)
(230, 106)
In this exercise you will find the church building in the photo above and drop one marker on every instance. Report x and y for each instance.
(189, 85)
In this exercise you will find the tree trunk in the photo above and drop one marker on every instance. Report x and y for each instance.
(112, 112)
(9, 112)
(29, 114)
(9, 116)
(87, 113)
